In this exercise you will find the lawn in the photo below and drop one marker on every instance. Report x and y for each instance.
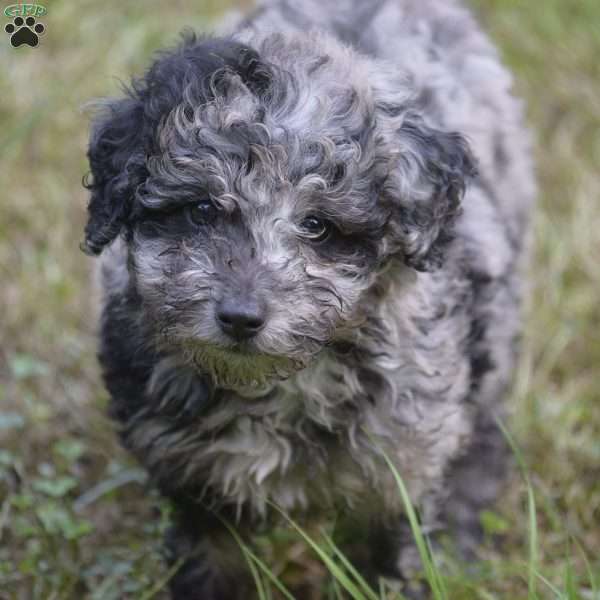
(76, 517)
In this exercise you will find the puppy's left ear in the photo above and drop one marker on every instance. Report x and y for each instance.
(117, 164)
(425, 187)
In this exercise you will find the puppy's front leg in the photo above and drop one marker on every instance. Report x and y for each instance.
(211, 562)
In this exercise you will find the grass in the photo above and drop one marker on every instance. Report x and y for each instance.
(76, 517)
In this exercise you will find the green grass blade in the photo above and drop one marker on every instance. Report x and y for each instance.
(160, 586)
(336, 589)
(533, 541)
(260, 589)
(253, 570)
(268, 592)
(588, 567)
(386, 593)
(484, 595)
(532, 513)
(369, 593)
(432, 574)
(338, 573)
(550, 586)
(270, 575)
(569, 583)
(250, 555)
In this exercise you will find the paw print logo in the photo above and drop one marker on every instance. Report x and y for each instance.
(24, 31)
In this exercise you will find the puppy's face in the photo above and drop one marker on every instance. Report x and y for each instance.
(259, 204)
(253, 247)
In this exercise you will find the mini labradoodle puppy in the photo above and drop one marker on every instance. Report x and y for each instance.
(313, 232)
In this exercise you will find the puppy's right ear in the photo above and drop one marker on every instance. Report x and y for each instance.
(117, 161)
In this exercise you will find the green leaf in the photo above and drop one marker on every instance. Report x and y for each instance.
(70, 449)
(7, 459)
(24, 528)
(493, 523)
(75, 529)
(11, 420)
(28, 566)
(57, 521)
(56, 488)
(23, 501)
(52, 517)
(24, 366)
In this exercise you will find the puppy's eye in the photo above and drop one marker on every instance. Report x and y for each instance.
(315, 229)
(202, 212)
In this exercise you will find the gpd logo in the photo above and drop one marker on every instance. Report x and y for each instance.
(25, 29)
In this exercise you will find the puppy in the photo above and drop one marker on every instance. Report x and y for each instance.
(313, 233)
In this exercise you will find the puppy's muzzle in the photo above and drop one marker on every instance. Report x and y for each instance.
(241, 317)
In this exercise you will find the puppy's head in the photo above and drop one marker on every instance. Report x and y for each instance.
(260, 192)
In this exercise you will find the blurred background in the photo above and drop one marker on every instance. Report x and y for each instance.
(76, 518)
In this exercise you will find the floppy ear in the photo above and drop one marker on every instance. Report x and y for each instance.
(425, 189)
(117, 162)
(124, 135)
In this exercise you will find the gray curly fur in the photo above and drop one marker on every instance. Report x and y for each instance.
(393, 120)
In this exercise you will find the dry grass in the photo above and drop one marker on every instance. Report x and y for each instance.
(75, 518)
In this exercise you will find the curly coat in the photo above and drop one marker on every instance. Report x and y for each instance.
(392, 121)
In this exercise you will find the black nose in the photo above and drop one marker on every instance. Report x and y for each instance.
(241, 318)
